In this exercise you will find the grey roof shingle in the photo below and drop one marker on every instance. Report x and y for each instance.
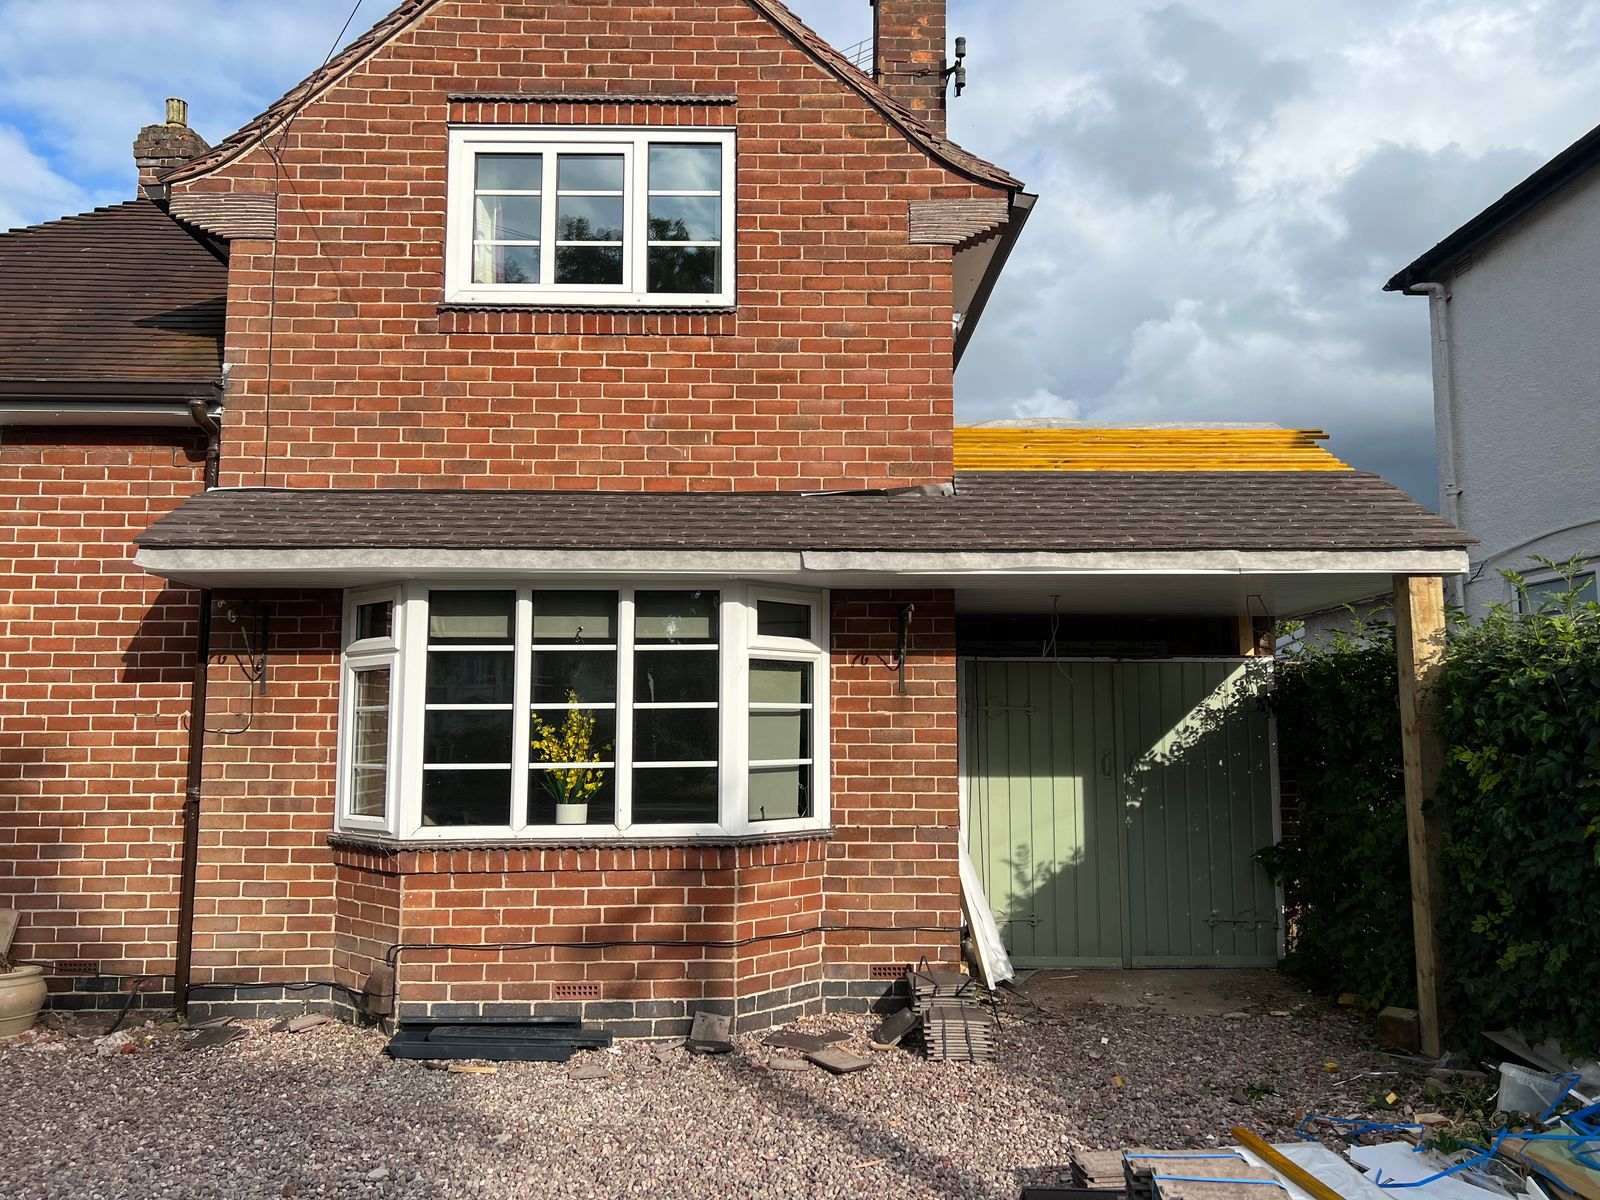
(1050, 511)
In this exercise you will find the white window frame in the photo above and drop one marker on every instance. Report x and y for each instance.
(737, 644)
(633, 143)
(366, 655)
(1544, 576)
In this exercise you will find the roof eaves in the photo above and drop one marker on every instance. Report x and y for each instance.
(1522, 199)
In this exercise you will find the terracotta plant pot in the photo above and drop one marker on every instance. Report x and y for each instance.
(572, 814)
(22, 994)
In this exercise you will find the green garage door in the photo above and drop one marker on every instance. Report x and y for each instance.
(1114, 809)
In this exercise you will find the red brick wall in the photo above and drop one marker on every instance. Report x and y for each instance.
(265, 898)
(895, 792)
(95, 668)
(834, 372)
(909, 38)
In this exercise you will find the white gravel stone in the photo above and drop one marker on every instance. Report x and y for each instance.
(307, 1116)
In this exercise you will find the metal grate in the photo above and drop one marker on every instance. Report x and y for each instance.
(76, 966)
(886, 970)
(577, 991)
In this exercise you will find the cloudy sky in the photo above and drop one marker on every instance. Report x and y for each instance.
(1225, 184)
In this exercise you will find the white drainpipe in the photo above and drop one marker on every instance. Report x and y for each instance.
(1444, 412)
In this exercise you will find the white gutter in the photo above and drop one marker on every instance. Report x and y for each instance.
(333, 565)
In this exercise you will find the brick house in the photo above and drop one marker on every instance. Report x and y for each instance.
(535, 366)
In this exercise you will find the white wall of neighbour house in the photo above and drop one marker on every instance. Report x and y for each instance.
(1523, 327)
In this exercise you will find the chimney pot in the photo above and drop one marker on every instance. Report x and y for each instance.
(159, 148)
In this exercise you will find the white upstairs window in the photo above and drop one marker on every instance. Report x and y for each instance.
(621, 217)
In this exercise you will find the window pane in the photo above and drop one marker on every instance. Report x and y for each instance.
(589, 265)
(374, 620)
(675, 795)
(689, 270)
(780, 793)
(775, 618)
(602, 736)
(542, 792)
(591, 674)
(780, 683)
(466, 737)
(589, 219)
(685, 168)
(675, 735)
(589, 173)
(675, 677)
(675, 617)
(780, 735)
(509, 172)
(471, 617)
(506, 219)
(470, 677)
(369, 750)
(505, 264)
(1548, 593)
(575, 617)
(466, 797)
(685, 218)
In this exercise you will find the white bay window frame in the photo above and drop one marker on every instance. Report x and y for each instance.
(738, 643)
(361, 655)
(633, 144)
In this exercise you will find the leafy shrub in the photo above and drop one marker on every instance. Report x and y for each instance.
(1520, 717)
(1520, 713)
(1345, 867)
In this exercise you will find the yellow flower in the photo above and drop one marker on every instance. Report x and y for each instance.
(570, 743)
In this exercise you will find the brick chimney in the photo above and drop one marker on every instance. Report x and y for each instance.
(159, 148)
(908, 55)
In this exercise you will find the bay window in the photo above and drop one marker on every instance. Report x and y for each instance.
(663, 710)
(563, 216)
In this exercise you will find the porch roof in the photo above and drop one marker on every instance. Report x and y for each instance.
(998, 529)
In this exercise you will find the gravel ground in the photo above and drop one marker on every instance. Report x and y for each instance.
(325, 1113)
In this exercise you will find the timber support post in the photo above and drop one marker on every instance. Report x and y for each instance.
(1419, 634)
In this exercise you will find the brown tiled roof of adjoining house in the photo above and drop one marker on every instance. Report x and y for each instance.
(939, 147)
(122, 293)
(1037, 511)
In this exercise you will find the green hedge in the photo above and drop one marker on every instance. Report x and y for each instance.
(1344, 864)
(1520, 716)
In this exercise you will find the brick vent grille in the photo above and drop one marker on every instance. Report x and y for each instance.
(887, 970)
(577, 991)
(76, 966)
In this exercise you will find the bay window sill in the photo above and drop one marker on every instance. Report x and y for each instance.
(382, 843)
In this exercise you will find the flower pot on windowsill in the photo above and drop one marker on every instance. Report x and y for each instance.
(22, 992)
(572, 814)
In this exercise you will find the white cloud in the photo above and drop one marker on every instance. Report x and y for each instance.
(28, 187)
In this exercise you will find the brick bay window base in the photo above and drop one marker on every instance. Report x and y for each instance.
(769, 824)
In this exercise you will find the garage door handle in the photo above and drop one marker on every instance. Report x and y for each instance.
(1105, 764)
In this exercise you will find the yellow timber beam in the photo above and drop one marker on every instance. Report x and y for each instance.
(1086, 449)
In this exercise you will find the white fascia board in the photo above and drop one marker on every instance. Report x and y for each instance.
(342, 567)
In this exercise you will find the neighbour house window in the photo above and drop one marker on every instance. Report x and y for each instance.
(1547, 591)
(590, 217)
(589, 711)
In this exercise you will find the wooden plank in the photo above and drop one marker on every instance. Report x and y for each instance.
(1420, 649)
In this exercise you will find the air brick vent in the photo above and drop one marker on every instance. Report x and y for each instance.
(577, 991)
(77, 967)
(886, 971)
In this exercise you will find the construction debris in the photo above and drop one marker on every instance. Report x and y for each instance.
(955, 1026)
(710, 1033)
(889, 1034)
(794, 1039)
(838, 1061)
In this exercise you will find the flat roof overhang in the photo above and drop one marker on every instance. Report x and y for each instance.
(1194, 582)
